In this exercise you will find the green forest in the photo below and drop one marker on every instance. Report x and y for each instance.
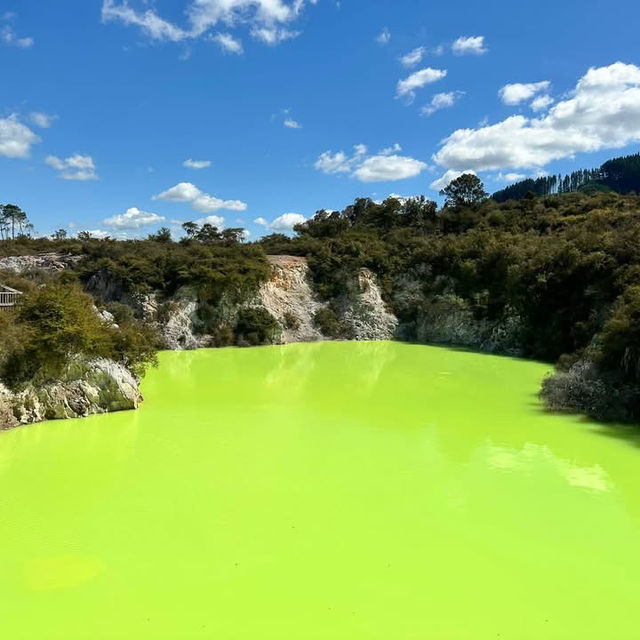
(621, 175)
(566, 265)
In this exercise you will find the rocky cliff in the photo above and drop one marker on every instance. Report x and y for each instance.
(287, 295)
(95, 387)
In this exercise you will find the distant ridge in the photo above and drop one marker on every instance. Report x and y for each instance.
(621, 175)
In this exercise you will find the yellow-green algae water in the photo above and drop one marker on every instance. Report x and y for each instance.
(326, 491)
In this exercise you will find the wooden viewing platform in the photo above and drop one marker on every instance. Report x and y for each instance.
(8, 296)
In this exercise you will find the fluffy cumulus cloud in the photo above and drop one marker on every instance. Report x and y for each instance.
(75, 167)
(196, 164)
(132, 219)
(385, 166)
(214, 221)
(469, 45)
(267, 20)
(409, 85)
(441, 101)
(447, 177)
(199, 200)
(16, 139)
(516, 93)
(388, 168)
(285, 222)
(602, 112)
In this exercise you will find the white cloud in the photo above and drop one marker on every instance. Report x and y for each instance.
(16, 139)
(100, 234)
(384, 166)
(384, 36)
(150, 23)
(273, 35)
(541, 103)
(450, 175)
(266, 20)
(603, 112)
(228, 43)
(75, 167)
(516, 93)
(9, 37)
(196, 164)
(292, 124)
(42, 120)
(469, 45)
(131, 219)
(413, 58)
(388, 151)
(417, 80)
(388, 168)
(214, 221)
(198, 200)
(205, 203)
(510, 177)
(339, 162)
(285, 222)
(182, 192)
(441, 101)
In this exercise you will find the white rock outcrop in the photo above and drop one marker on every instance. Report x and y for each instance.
(363, 313)
(288, 297)
(101, 386)
(51, 262)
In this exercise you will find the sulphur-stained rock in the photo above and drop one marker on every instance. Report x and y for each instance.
(99, 386)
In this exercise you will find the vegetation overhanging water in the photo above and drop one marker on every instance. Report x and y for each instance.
(334, 490)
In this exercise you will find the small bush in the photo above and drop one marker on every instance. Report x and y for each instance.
(326, 321)
(291, 321)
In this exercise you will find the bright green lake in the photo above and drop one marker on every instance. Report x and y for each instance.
(337, 491)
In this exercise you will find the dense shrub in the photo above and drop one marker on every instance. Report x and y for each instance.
(255, 326)
(55, 323)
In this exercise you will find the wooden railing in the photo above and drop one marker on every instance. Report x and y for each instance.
(8, 298)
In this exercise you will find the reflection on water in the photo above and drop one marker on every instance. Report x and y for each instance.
(330, 490)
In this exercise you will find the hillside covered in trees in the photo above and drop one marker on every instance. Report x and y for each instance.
(621, 175)
(555, 278)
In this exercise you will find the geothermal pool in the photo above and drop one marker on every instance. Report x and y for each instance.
(333, 491)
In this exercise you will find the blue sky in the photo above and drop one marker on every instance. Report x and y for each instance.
(104, 101)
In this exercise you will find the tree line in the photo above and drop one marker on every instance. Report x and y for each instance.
(621, 175)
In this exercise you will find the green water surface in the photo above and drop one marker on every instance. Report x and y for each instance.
(336, 491)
